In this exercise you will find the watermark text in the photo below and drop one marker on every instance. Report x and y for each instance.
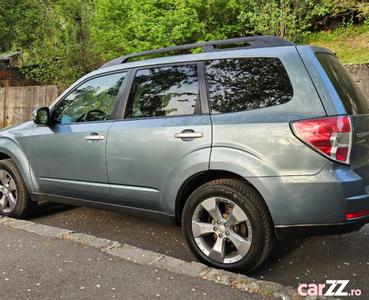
(329, 288)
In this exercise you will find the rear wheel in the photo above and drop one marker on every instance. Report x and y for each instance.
(227, 225)
(14, 198)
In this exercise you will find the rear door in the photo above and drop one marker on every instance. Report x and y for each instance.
(165, 135)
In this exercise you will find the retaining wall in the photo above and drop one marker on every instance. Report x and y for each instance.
(17, 103)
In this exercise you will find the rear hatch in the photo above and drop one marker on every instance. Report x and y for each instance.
(357, 106)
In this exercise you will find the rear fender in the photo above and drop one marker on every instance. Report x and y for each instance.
(188, 166)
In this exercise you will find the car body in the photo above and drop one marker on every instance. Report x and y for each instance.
(239, 145)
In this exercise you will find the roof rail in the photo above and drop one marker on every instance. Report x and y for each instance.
(251, 42)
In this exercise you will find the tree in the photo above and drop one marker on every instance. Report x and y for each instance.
(22, 22)
(348, 8)
(67, 53)
(344, 12)
(123, 26)
(285, 18)
(69, 38)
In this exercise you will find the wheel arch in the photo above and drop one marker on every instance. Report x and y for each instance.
(198, 180)
(21, 160)
(4, 156)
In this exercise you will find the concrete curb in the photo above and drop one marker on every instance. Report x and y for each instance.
(165, 262)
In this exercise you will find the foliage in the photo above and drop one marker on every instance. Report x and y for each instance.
(67, 53)
(69, 38)
(125, 26)
(285, 18)
(348, 8)
(349, 41)
(21, 23)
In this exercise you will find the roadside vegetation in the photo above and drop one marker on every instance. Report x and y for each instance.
(348, 40)
(65, 39)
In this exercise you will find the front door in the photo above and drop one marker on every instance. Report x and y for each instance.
(67, 157)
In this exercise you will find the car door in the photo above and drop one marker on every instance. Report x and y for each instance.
(164, 137)
(67, 157)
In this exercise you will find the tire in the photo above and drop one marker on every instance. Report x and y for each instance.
(14, 199)
(227, 225)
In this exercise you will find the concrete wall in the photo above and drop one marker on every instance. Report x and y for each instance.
(17, 103)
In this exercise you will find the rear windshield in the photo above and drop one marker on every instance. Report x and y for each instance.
(347, 89)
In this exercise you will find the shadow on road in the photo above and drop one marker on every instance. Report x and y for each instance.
(45, 208)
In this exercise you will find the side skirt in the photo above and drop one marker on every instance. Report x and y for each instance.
(139, 212)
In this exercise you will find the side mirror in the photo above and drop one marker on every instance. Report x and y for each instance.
(41, 115)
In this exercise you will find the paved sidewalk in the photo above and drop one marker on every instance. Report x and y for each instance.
(43, 262)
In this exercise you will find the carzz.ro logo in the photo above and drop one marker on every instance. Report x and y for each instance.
(329, 288)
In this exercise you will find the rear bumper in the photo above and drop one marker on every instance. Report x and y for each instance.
(294, 231)
(334, 201)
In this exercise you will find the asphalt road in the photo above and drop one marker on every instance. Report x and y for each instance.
(39, 267)
(298, 261)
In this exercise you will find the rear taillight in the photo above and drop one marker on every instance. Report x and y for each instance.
(331, 136)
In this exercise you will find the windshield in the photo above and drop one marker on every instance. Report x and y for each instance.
(351, 96)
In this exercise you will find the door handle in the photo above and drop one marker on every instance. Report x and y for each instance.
(189, 135)
(94, 138)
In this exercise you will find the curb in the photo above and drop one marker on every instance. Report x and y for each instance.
(165, 262)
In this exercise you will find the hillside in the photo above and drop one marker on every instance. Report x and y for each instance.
(351, 43)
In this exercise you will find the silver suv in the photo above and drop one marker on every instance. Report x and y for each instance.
(238, 145)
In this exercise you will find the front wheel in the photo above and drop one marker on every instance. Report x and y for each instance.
(227, 225)
(14, 198)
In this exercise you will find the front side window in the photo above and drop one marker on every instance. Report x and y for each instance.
(92, 101)
(247, 83)
(164, 91)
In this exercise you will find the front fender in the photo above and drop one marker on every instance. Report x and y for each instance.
(11, 149)
(14, 144)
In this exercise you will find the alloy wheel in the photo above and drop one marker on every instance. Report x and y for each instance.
(222, 230)
(8, 191)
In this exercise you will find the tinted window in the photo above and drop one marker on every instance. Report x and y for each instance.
(164, 91)
(247, 83)
(92, 101)
(349, 92)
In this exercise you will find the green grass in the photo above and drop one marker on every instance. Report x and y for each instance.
(350, 42)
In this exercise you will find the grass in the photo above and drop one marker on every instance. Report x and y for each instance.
(350, 42)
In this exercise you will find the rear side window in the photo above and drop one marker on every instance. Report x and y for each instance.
(347, 89)
(164, 91)
(247, 83)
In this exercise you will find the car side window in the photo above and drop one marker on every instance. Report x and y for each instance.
(164, 91)
(241, 84)
(92, 101)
